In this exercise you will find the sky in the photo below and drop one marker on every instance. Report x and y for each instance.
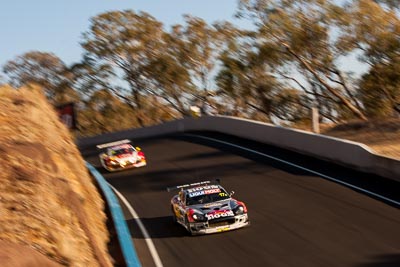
(56, 26)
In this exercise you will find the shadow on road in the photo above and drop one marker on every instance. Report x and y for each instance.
(158, 227)
(384, 260)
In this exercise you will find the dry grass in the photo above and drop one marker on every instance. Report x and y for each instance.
(383, 137)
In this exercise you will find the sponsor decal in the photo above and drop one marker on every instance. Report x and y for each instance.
(212, 191)
(219, 214)
(202, 188)
(195, 194)
(209, 205)
(204, 192)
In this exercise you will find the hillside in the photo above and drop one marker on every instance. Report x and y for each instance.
(383, 137)
(50, 211)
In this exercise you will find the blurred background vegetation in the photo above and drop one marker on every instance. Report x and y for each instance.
(136, 73)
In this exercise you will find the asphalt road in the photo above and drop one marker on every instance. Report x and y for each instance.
(297, 218)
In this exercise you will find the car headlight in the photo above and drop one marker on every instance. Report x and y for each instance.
(238, 210)
(110, 162)
(198, 217)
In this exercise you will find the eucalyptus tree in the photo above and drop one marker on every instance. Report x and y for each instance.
(101, 113)
(301, 32)
(391, 4)
(202, 43)
(246, 79)
(170, 71)
(231, 77)
(247, 76)
(380, 90)
(90, 76)
(46, 70)
(127, 42)
(374, 31)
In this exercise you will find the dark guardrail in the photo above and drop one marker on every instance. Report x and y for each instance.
(350, 154)
(124, 236)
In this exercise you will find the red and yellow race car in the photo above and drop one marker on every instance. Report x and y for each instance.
(121, 155)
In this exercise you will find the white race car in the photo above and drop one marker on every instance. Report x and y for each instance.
(121, 155)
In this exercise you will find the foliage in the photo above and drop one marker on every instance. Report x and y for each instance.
(44, 69)
(301, 31)
(134, 72)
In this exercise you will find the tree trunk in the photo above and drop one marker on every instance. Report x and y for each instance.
(341, 98)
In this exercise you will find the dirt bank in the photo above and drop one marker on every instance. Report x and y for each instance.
(49, 207)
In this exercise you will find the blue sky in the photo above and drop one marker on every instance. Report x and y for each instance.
(57, 25)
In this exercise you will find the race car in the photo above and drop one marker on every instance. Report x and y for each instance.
(205, 208)
(121, 155)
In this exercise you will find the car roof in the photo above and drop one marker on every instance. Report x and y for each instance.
(120, 147)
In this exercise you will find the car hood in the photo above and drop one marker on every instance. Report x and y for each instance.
(227, 204)
(124, 156)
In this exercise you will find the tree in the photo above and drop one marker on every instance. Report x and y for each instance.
(380, 90)
(44, 69)
(170, 71)
(127, 42)
(90, 76)
(102, 113)
(392, 4)
(202, 44)
(375, 32)
(301, 32)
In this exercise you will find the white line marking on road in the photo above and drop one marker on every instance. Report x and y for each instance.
(300, 167)
(146, 235)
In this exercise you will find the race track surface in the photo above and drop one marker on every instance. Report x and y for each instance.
(297, 218)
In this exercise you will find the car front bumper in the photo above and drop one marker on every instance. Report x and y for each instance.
(123, 166)
(198, 228)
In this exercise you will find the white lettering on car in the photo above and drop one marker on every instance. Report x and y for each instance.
(195, 194)
(201, 188)
(212, 191)
(219, 214)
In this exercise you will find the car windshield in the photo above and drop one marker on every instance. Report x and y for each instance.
(122, 151)
(207, 198)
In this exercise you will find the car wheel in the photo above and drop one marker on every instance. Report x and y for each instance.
(173, 215)
(188, 225)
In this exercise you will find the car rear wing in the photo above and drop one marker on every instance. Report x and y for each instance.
(169, 189)
(116, 143)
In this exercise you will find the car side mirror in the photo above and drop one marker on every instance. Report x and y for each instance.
(231, 193)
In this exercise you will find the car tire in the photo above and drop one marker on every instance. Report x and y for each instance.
(173, 215)
(188, 226)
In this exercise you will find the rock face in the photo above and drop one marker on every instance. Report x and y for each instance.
(49, 205)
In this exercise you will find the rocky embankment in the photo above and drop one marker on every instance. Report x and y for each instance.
(51, 213)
